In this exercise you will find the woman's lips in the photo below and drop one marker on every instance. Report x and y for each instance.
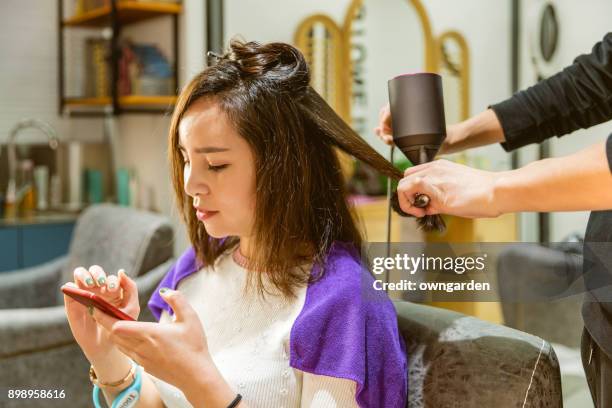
(204, 215)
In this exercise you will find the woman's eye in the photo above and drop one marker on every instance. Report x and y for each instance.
(217, 168)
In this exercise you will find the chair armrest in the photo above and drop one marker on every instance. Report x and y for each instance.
(24, 331)
(453, 357)
(31, 287)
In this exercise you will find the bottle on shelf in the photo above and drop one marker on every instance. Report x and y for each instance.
(55, 192)
(41, 179)
(26, 192)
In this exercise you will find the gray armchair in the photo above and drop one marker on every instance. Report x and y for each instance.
(37, 349)
(460, 361)
(542, 289)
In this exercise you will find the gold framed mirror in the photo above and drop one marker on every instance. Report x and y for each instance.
(352, 61)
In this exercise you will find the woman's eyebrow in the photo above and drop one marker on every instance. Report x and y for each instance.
(207, 149)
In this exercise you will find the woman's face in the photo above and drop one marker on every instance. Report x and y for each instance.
(219, 170)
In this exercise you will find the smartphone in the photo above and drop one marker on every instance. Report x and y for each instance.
(91, 299)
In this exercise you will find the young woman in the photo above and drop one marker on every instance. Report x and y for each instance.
(271, 306)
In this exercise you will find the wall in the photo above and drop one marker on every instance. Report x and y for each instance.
(28, 72)
(275, 20)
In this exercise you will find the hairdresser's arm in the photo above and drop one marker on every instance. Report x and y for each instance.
(581, 181)
(580, 96)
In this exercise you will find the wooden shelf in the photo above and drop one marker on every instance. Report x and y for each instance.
(127, 12)
(87, 101)
(116, 14)
(124, 101)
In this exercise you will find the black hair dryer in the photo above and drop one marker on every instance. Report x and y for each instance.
(419, 127)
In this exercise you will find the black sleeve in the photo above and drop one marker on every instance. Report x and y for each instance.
(580, 96)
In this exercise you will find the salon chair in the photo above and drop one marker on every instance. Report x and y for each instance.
(37, 349)
(456, 360)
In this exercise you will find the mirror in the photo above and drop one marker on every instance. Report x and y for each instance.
(454, 67)
(383, 42)
(352, 62)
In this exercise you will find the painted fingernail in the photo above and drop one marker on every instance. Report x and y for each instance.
(101, 280)
(164, 291)
(89, 282)
(112, 285)
(90, 310)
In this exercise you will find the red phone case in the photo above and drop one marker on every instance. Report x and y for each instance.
(91, 299)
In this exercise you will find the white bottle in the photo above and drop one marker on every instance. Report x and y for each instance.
(55, 192)
(41, 181)
(74, 175)
(133, 186)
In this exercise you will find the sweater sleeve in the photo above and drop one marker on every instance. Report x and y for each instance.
(320, 391)
(580, 96)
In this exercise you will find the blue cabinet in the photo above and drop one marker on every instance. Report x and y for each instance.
(9, 249)
(22, 246)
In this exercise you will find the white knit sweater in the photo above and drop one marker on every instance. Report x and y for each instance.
(249, 342)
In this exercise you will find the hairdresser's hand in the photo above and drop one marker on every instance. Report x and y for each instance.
(175, 352)
(453, 189)
(119, 290)
(385, 132)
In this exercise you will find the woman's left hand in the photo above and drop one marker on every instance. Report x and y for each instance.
(173, 352)
(452, 188)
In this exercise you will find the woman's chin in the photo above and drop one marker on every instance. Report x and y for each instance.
(215, 231)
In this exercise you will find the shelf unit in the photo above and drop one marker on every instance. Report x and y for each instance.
(116, 14)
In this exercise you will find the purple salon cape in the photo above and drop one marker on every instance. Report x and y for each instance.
(346, 328)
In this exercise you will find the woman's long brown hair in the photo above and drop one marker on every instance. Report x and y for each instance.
(301, 199)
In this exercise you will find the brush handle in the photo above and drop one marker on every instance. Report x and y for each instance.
(421, 200)
(427, 223)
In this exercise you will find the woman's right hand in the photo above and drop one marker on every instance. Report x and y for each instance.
(119, 290)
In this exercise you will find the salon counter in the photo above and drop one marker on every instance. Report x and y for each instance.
(38, 219)
(29, 241)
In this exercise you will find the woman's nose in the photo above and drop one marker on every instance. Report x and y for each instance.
(195, 185)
